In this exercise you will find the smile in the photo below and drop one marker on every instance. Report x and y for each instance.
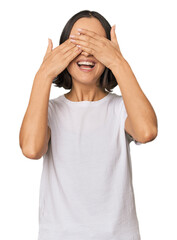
(86, 66)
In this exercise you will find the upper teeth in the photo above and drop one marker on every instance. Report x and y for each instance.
(86, 63)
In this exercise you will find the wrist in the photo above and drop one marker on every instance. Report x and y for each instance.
(41, 75)
(119, 63)
(42, 78)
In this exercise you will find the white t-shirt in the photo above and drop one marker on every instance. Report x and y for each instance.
(86, 190)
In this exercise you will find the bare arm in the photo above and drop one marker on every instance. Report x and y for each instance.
(34, 132)
(141, 122)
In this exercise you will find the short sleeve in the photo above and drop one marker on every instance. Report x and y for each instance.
(49, 112)
(124, 116)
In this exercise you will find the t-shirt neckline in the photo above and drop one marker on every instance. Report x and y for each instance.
(85, 103)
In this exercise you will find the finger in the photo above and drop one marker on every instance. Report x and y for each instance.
(50, 46)
(68, 47)
(84, 53)
(72, 54)
(65, 44)
(113, 35)
(84, 38)
(86, 49)
(70, 51)
(49, 49)
(86, 44)
(90, 33)
(64, 47)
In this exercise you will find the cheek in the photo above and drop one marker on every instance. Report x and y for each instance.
(70, 67)
(100, 68)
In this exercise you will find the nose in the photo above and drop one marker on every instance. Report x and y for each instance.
(85, 54)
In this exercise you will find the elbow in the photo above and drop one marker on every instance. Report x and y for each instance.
(29, 153)
(149, 135)
(32, 149)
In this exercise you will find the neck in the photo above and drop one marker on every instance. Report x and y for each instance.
(86, 94)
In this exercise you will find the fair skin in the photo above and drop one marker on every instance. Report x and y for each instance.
(141, 122)
(84, 83)
(34, 132)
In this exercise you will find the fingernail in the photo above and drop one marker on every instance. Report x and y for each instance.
(72, 36)
(114, 26)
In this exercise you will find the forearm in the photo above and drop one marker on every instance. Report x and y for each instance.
(34, 129)
(140, 111)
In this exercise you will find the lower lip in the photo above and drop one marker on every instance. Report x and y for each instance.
(86, 70)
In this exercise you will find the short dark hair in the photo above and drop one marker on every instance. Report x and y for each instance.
(107, 79)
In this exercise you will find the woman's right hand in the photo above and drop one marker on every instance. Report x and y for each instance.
(57, 59)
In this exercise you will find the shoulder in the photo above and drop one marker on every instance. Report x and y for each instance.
(116, 98)
(55, 101)
(54, 105)
(117, 101)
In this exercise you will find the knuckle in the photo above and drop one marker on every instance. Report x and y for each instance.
(75, 48)
(59, 50)
(100, 50)
(92, 51)
(103, 44)
(86, 38)
(67, 42)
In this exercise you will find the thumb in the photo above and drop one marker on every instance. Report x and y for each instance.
(50, 46)
(113, 35)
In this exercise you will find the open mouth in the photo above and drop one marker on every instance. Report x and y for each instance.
(86, 66)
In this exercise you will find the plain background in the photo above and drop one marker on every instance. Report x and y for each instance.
(146, 32)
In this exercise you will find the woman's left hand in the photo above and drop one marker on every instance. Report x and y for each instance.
(104, 50)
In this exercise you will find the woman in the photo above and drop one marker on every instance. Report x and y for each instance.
(86, 189)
